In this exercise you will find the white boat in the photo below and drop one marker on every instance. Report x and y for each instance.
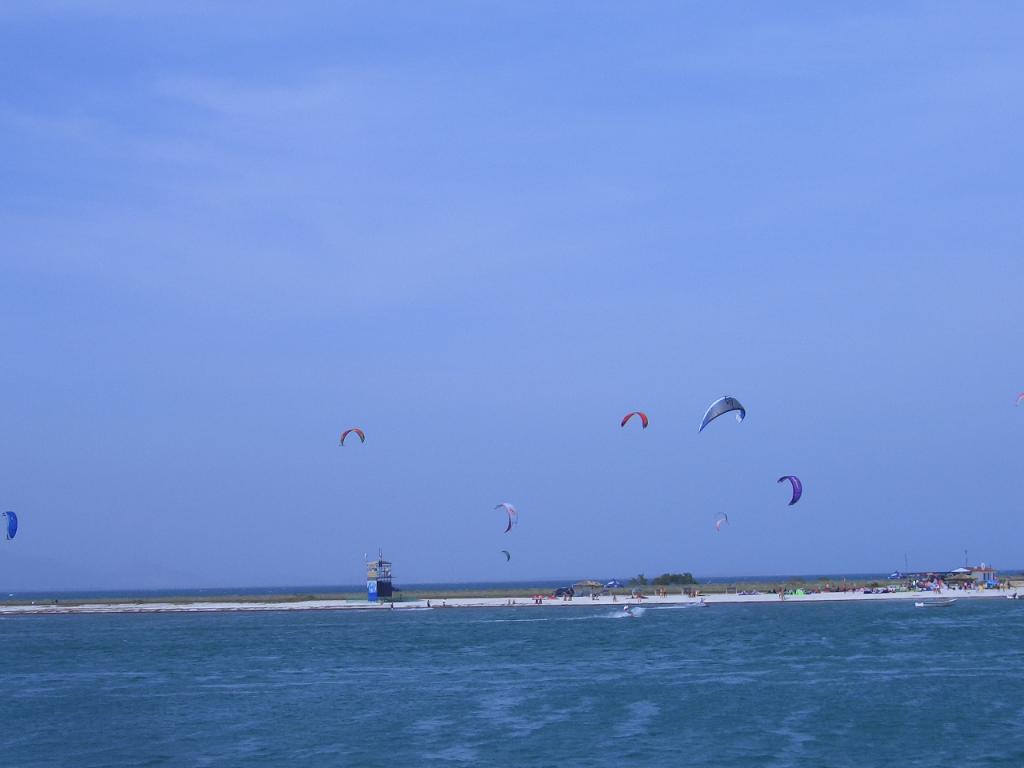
(935, 602)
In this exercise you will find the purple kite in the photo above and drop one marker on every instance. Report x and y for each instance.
(798, 487)
(347, 432)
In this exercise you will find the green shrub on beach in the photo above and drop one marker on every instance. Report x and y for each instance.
(674, 578)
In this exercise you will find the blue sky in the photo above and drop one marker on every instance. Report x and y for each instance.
(483, 233)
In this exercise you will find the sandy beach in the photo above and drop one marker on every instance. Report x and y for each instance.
(494, 602)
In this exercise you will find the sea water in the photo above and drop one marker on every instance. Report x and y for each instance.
(868, 684)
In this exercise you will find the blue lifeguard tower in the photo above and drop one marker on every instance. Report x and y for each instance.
(378, 579)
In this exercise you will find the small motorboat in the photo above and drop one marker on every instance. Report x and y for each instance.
(935, 602)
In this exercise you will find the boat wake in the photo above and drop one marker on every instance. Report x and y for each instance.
(684, 606)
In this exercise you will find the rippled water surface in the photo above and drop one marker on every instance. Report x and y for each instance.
(740, 685)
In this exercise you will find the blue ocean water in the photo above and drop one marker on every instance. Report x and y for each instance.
(879, 684)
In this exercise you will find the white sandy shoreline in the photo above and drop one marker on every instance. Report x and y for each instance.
(490, 602)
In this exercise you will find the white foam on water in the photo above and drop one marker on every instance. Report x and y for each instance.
(623, 614)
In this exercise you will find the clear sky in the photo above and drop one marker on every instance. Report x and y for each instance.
(484, 232)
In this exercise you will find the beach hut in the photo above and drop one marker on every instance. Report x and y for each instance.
(985, 576)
